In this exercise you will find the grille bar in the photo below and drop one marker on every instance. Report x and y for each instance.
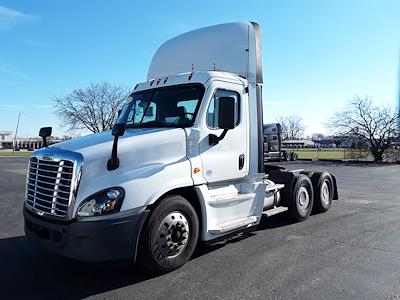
(44, 176)
(51, 164)
(43, 194)
(44, 188)
(48, 183)
(50, 171)
(49, 186)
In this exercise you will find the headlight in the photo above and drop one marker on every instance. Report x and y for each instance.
(105, 202)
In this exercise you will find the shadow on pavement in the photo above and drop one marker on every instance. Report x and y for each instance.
(29, 272)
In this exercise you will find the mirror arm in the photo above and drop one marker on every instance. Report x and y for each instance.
(117, 131)
(214, 140)
(44, 141)
(113, 162)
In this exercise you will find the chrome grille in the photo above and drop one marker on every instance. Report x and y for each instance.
(49, 186)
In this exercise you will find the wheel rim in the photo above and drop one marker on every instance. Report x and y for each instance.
(303, 199)
(173, 234)
(325, 193)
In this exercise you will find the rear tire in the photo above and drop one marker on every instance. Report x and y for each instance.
(287, 156)
(302, 198)
(169, 237)
(283, 156)
(323, 191)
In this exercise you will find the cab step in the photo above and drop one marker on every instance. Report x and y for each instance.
(275, 211)
(233, 225)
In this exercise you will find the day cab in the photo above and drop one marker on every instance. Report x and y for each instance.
(183, 163)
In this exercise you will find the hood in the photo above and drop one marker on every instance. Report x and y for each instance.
(141, 152)
(81, 143)
(137, 148)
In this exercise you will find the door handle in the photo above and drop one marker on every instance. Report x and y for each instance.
(241, 161)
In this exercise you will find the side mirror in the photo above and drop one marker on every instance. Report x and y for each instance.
(118, 129)
(45, 132)
(226, 118)
(226, 113)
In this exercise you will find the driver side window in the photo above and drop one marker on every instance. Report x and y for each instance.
(212, 112)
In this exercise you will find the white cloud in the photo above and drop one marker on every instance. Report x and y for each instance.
(35, 43)
(10, 106)
(43, 106)
(279, 102)
(10, 18)
(13, 73)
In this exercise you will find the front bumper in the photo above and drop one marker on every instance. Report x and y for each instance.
(91, 239)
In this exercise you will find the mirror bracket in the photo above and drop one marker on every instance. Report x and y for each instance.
(117, 131)
(113, 162)
(214, 140)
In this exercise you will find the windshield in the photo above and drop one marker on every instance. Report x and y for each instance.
(174, 106)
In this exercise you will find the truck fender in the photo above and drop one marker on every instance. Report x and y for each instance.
(335, 189)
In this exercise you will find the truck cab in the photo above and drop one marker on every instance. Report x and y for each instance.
(272, 142)
(184, 162)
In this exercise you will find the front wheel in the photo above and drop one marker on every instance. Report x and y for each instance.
(169, 237)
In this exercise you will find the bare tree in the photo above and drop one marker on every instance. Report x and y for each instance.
(94, 108)
(292, 127)
(375, 126)
(317, 136)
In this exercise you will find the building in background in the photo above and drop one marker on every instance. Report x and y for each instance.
(7, 141)
(298, 144)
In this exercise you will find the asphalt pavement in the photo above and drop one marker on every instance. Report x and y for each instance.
(350, 252)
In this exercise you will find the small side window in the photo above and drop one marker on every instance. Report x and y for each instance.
(212, 112)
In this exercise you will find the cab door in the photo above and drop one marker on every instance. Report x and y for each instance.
(227, 160)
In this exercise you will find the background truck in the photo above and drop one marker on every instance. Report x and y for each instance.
(183, 163)
(273, 144)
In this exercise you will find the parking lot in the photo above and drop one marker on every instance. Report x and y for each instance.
(352, 251)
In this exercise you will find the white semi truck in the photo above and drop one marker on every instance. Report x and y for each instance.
(184, 162)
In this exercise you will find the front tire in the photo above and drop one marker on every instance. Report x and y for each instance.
(169, 237)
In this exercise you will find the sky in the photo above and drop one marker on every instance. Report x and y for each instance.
(316, 54)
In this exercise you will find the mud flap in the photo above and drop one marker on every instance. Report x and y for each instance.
(284, 177)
